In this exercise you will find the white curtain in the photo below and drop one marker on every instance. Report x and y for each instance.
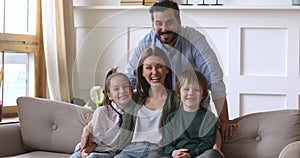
(55, 49)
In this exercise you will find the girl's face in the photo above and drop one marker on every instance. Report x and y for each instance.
(120, 90)
(191, 95)
(154, 70)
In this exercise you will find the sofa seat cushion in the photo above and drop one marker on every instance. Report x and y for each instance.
(263, 134)
(49, 125)
(40, 154)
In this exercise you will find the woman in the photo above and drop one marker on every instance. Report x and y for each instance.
(141, 129)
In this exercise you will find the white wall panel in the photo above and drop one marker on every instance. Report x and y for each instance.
(299, 102)
(264, 52)
(258, 2)
(134, 34)
(251, 103)
(95, 2)
(98, 50)
(297, 43)
(218, 38)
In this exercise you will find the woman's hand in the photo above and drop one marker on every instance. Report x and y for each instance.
(86, 138)
(87, 150)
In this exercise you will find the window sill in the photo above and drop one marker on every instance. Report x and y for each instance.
(9, 120)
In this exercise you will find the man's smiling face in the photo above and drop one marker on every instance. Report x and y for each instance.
(166, 26)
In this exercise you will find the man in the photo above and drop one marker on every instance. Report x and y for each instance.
(186, 48)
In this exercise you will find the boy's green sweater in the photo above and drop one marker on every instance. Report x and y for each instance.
(195, 131)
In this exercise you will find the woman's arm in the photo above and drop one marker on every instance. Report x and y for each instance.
(86, 137)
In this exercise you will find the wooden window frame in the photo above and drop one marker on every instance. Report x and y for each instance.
(27, 43)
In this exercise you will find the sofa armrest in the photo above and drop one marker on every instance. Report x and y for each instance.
(291, 151)
(10, 140)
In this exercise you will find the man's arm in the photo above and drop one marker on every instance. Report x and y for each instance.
(130, 70)
(222, 110)
(225, 127)
(214, 74)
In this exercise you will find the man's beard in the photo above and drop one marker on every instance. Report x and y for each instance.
(168, 41)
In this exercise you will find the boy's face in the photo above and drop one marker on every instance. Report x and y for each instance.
(120, 91)
(166, 26)
(191, 95)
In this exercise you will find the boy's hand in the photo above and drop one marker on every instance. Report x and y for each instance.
(223, 156)
(181, 153)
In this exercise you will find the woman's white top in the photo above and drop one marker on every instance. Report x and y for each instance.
(147, 126)
(105, 127)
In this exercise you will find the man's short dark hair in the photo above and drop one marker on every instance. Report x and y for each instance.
(163, 5)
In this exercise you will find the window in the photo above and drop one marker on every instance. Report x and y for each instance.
(18, 77)
(21, 55)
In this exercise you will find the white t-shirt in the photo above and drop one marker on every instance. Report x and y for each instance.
(147, 126)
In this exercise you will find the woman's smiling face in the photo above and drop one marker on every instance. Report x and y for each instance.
(155, 70)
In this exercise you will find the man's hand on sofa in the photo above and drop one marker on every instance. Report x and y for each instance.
(227, 130)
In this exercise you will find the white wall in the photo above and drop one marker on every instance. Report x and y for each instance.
(257, 47)
(225, 2)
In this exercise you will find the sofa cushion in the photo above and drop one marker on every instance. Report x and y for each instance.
(50, 125)
(263, 134)
(10, 139)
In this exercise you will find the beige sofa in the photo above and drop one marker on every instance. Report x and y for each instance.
(51, 129)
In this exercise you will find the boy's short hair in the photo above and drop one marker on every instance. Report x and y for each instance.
(190, 76)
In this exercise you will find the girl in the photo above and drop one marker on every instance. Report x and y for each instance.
(107, 119)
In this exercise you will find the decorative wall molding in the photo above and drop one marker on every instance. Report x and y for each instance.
(258, 48)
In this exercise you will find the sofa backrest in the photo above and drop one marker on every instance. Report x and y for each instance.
(263, 135)
(50, 125)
